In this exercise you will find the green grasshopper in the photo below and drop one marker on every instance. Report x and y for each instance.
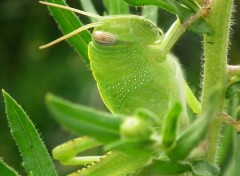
(138, 78)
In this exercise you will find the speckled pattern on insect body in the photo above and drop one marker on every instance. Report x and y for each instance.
(130, 71)
(125, 84)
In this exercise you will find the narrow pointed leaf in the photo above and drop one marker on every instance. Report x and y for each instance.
(189, 139)
(233, 166)
(34, 154)
(194, 134)
(116, 7)
(6, 169)
(163, 167)
(131, 147)
(203, 168)
(167, 167)
(226, 146)
(169, 5)
(84, 120)
(68, 22)
(88, 6)
(233, 89)
(170, 126)
(200, 26)
(191, 4)
(151, 13)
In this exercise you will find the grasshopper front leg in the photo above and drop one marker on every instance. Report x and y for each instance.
(112, 164)
(67, 152)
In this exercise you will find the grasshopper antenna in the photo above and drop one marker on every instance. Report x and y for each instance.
(72, 9)
(91, 25)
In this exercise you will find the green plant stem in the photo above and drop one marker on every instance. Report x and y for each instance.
(215, 66)
(176, 31)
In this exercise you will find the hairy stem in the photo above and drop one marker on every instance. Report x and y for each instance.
(215, 66)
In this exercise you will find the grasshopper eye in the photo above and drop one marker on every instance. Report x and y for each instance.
(104, 38)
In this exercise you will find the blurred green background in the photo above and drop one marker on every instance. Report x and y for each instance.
(28, 73)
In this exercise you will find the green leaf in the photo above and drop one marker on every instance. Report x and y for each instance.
(31, 174)
(151, 13)
(226, 146)
(200, 26)
(83, 120)
(170, 126)
(195, 133)
(34, 153)
(170, 6)
(69, 22)
(233, 166)
(116, 7)
(133, 147)
(203, 168)
(191, 4)
(190, 138)
(88, 6)
(6, 170)
(164, 167)
(233, 89)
